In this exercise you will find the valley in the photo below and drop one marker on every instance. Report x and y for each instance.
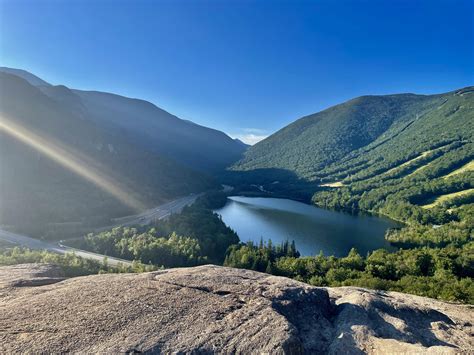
(144, 218)
(406, 157)
(236, 177)
(69, 158)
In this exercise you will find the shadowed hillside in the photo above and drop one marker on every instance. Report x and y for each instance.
(36, 190)
(146, 125)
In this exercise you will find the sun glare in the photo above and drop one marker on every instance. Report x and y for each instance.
(71, 161)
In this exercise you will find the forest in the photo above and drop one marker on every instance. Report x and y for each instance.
(195, 236)
(408, 157)
(434, 262)
(71, 264)
(445, 273)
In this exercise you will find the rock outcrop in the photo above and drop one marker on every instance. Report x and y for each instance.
(212, 309)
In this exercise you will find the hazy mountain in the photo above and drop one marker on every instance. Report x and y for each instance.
(148, 152)
(245, 145)
(32, 79)
(35, 190)
(147, 125)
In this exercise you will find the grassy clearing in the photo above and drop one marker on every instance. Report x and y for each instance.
(467, 167)
(417, 170)
(440, 199)
(333, 184)
(409, 162)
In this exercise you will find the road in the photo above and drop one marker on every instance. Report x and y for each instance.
(143, 218)
(32, 243)
(155, 213)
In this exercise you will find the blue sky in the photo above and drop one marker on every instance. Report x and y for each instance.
(245, 67)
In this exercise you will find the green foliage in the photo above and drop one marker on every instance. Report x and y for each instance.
(146, 247)
(205, 226)
(455, 233)
(261, 258)
(71, 264)
(212, 200)
(194, 236)
(445, 273)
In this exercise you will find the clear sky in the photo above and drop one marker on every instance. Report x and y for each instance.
(245, 67)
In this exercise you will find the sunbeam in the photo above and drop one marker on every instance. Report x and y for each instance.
(71, 162)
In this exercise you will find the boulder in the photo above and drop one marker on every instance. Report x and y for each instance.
(212, 309)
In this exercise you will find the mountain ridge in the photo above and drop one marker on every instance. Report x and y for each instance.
(56, 195)
(31, 78)
(364, 120)
(305, 126)
(148, 125)
(394, 155)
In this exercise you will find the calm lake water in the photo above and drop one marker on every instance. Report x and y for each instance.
(313, 229)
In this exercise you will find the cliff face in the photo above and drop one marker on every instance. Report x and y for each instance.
(214, 309)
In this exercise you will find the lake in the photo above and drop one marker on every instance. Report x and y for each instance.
(313, 229)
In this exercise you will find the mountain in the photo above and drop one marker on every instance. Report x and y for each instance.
(311, 144)
(238, 141)
(31, 78)
(60, 167)
(146, 125)
(211, 309)
(373, 151)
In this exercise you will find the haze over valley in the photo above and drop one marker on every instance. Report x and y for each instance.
(146, 154)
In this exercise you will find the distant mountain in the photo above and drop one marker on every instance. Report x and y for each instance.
(38, 192)
(32, 79)
(146, 125)
(244, 145)
(158, 131)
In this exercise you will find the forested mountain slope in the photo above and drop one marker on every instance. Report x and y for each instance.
(413, 172)
(94, 173)
(146, 125)
(315, 141)
(374, 150)
(409, 157)
(158, 131)
(311, 144)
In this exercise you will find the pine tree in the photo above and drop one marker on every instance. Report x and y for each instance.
(269, 268)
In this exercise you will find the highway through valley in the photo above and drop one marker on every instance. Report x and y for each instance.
(143, 218)
(155, 213)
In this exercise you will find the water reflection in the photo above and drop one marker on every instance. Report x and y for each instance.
(312, 228)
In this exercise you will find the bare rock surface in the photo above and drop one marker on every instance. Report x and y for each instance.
(211, 309)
